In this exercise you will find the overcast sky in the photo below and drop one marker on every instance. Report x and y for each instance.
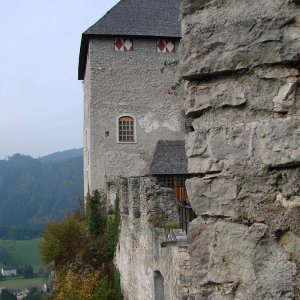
(41, 99)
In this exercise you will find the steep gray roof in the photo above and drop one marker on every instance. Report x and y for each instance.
(169, 158)
(142, 18)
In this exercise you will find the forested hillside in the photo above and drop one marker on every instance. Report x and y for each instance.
(36, 191)
(61, 155)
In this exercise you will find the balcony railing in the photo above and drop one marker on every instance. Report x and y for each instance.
(186, 215)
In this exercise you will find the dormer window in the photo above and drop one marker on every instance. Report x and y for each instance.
(126, 129)
(165, 46)
(123, 44)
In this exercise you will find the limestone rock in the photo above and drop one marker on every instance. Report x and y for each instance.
(291, 244)
(269, 143)
(265, 90)
(233, 253)
(277, 142)
(286, 95)
(213, 197)
(277, 73)
(217, 95)
(293, 202)
(189, 7)
(231, 35)
(241, 62)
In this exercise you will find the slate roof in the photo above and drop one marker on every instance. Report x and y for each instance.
(169, 158)
(142, 18)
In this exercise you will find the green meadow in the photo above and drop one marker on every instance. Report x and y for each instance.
(22, 252)
(21, 283)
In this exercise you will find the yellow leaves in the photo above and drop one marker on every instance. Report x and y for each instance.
(83, 285)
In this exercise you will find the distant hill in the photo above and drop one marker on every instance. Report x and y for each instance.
(63, 155)
(36, 191)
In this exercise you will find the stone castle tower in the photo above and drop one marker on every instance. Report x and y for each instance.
(127, 108)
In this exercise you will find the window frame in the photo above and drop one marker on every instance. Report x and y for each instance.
(118, 131)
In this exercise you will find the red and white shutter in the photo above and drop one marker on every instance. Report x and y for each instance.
(165, 46)
(123, 44)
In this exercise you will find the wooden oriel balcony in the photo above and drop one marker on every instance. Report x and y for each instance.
(177, 184)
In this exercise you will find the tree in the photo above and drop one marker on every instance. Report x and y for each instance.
(88, 284)
(62, 241)
(34, 294)
(83, 261)
(28, 271)
(96, 214)
(6, 295)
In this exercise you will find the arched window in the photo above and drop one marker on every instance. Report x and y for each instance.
(126, 130)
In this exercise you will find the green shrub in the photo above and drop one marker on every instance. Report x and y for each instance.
(160, 222)
(116, 286)
(113, 228)
(95, 214)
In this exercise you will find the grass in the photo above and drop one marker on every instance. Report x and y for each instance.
(160, 222)
(23, 252)
(20, 283)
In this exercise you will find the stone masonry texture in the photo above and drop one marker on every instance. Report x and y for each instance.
(241, 62)
(140, 255)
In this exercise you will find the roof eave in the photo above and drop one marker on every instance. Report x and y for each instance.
(169, 172)
(84, 46)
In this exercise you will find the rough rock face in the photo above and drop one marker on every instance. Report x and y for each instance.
(242, 63)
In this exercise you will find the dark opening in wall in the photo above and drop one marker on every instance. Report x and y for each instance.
(189, 125)
(106, 133)
(159, 286)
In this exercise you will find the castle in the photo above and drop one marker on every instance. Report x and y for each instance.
(241, 65)
(127, 107)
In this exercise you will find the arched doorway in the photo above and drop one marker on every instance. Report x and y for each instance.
(159, 288)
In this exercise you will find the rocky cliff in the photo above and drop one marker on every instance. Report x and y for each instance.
(241, 60)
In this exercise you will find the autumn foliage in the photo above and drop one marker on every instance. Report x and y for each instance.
(80, 251)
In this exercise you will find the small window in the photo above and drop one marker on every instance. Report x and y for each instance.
(165, 46)
(123, 44)
(172, 180)
(126, 130)
(166, 180)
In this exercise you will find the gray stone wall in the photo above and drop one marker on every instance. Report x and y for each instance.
(86, 127)
(118, 83)
(241, 61)
(140, 254)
